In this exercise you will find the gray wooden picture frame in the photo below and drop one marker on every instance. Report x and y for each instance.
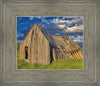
(88, 76)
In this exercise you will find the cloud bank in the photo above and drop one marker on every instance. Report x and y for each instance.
(57, 26)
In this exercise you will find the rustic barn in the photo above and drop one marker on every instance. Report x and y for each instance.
(39, 47)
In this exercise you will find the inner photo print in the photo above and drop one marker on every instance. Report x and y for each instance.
(50, 42)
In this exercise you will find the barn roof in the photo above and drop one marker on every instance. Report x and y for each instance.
(48, 36)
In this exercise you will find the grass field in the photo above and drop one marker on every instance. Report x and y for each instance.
(59, 64)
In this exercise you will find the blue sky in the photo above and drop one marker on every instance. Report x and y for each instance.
(57, 26)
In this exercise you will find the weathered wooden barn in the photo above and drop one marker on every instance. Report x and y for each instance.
(39, 47)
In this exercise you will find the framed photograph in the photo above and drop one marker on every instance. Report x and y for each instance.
(50, 43)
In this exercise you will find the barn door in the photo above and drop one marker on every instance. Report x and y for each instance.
(26, 52)
(51, 55)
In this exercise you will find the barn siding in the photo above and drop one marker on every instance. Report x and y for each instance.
(38, 47)
(26, 42)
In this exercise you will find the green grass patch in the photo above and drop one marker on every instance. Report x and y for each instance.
(59, 64)
(17, 54)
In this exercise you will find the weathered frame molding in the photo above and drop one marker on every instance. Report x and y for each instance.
(91, 73)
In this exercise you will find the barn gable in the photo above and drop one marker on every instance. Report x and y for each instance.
(47, 35)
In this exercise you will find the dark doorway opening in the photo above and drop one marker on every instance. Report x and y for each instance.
(26, 52)
(51, 55)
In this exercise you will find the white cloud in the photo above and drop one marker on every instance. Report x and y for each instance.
(76, 19)
(57, 34)
(75, 28)
(67, 22)
(39, 17)
(20, 18)
(78, 38)
(43, 20)
(62, 26)
(78, 41)
(21, 23)
(59, 21)
(72, 37)
(31, 18)
(44, 26)
(21, 35)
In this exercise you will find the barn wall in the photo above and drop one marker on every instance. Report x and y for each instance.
(26, 42)
(40, 50)
(38, 47)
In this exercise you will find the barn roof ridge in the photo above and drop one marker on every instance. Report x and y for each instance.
(48, 36)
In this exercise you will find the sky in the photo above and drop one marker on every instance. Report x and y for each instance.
(57, 26)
